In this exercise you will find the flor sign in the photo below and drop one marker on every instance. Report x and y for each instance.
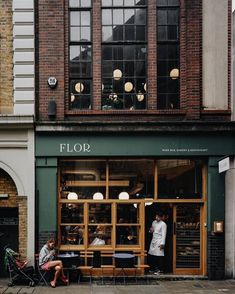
(224, 165)
(75, 148)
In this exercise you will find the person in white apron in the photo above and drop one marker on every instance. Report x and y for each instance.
(156, 249)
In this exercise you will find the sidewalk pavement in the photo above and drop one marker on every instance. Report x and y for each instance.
(163, 287)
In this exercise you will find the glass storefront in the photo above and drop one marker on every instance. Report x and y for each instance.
(109, 204)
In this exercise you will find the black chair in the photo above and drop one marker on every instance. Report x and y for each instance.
(43, 275)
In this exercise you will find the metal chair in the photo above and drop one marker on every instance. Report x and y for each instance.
(107, 255)
(41, 272)
(141, 263)
(86, 256)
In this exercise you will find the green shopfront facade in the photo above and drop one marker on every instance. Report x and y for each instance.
(108, 186)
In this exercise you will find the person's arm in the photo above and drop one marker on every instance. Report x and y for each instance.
(45, 255)
(163, 240)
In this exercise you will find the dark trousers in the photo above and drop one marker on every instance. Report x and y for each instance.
(156, 262)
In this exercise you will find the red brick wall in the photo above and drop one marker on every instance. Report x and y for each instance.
(53, 61)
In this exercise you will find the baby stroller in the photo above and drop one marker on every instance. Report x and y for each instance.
(18, 270)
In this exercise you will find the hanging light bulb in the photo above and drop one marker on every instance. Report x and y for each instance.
(128, 86)
(117, 74)
(145, 87)
(72, 97)
(79, 87)
(140, 96)
(174, 73)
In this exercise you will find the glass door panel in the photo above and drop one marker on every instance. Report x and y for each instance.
(187, 238)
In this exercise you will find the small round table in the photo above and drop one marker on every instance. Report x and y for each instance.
(123, 256)
(68, 257)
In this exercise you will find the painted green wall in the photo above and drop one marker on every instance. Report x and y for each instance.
(216, 193)
(46, 179)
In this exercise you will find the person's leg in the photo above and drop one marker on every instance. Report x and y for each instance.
(56, 276)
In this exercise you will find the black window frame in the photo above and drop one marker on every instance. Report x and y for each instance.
(82, 101)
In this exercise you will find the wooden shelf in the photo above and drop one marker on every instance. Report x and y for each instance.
(97, 183)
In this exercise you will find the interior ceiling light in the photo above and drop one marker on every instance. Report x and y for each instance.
(72, 97)
(174, 73)
(79, 87)
(140, 96)
(117, 74)
(128, 86)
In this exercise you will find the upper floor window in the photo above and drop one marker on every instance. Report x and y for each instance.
(124, 54)
(168, 86)
(80, 53)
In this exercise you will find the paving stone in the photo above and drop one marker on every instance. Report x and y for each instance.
(12, 290)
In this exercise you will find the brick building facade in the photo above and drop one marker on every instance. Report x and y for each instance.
(92, 114)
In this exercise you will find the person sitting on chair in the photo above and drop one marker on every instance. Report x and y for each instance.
(47, 262)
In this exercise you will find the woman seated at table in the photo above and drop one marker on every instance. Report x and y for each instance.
(47, 262)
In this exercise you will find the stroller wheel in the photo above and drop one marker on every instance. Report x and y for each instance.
(10, 284)
(31, 284)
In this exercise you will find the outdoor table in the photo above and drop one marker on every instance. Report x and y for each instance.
(68, 258)
(123, 257)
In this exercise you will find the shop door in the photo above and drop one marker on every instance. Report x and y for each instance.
(8, 233)
(188, 251)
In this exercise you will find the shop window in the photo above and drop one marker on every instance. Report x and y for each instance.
(168, 57)
(128, 221)
(136, 178)
(124, 55)
(72, 235)
(80, 54)
(179, 178)
(83, 179)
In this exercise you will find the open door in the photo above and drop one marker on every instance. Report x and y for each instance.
(187, 239)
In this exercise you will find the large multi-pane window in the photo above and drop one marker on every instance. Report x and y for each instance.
(168, 54)
(80, 54)
(124, 54)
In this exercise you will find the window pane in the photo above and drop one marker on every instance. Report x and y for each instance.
(140, 33)
(107, 33)
(85, 34)
(173, 2)
(162, 17)
(74, 53)
(106, 2)
(106, 17)
(136, 178)
(173, 17)
(162, 33)
(75, 34)
(129, 16)
(106, 53)
(75, 18)
(161, 2)
(85, 18)
(118, 17)
(99, 235)
(140, 69)
(107, 68)
(128, 213)
(72, 213)
(180, 178)
(85, 3)
(129, 2)
(72, 235)
(129, 52)
(140, 17)
(117, 53)
(100, 213)
(117, 2)
(127, 235)
(118, 33)
(140, 2)
(162, 51)
(129, 33)
(73, 3)
(172, 33)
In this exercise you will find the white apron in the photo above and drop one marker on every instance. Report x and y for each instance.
(159, 238)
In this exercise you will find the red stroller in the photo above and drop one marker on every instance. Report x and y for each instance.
(18, 270)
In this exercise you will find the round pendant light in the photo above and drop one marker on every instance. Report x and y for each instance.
(79, 87)
(128, 86)
(117, 74)
(140, 96)
(98, 196)
(72, 97)
(174, 73)
(145, 87)
(123, 196)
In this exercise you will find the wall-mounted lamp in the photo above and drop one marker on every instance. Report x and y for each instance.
(52, 82)
(218, 226)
